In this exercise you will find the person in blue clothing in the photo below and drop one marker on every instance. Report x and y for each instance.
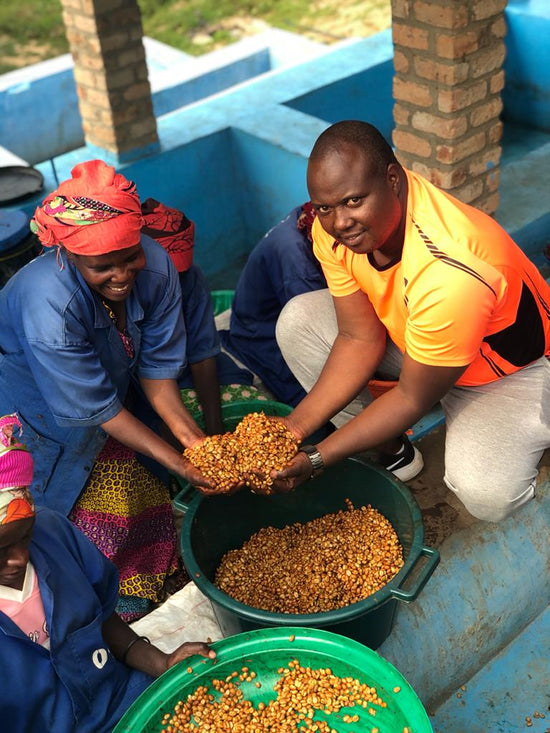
(91, 322)
(281, 266)
(209, 371)
(69, 664)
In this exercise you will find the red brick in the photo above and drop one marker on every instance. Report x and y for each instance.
(410, 37)
(453, 100)
(483, 9)
(470, 191)
(495, 133)
(496, 82)
(401, 114)
(137, 91)
(132, 56)
(442, 16)
(445, 178)
(400, 8)
(456, 46)
(488, 204)
(114, 41)
(443, 73)
(401, 62)
(488, 60)
(443, 127)
(143, 128)
(84, 23)
(71, 5)
(451, 154)
(410, 91)
(488, 160)
(498, 28)
(412, 143)
(485, 112)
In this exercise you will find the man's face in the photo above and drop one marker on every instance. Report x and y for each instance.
(15, 538)
(111, 275)
(356, 205)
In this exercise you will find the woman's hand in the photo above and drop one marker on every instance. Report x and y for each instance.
(296, 472)
(188, 649)
(192, 474)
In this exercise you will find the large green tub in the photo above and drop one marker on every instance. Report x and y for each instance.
(264, 651)
(214, 525)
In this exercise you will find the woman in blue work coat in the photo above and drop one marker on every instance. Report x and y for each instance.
(96, 314)
(68, 663)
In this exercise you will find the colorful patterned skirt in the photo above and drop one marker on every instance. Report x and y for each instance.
(127, 513)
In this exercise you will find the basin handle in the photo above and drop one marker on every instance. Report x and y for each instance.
(183, 499)
(424, 574)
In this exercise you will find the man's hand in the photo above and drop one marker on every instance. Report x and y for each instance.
(298, 470)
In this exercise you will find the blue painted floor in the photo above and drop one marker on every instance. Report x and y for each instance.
(511, 688)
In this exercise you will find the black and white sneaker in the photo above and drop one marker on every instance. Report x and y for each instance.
(406, 464)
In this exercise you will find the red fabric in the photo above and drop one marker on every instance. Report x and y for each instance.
(306, 218)
(172, 229)
(95, 212)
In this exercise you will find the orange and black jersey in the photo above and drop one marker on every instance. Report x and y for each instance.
(463, 292)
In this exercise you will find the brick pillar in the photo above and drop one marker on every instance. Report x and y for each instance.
(106, 40)
(448, 57)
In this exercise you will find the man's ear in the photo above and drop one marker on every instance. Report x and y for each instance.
(393, 176)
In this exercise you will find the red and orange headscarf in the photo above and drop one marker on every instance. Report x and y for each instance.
(16, 469)
(171, 228)
(95, 212)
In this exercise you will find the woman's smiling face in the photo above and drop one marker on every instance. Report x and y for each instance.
(111, 275)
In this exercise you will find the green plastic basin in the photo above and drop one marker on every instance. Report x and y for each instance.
(213, 525)
(221, 300)
(264, 651)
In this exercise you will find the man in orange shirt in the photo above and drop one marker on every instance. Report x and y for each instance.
(435, 292)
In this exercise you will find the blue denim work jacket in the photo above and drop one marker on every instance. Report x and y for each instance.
(63, 367)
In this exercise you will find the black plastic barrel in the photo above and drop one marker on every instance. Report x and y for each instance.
(214, 525)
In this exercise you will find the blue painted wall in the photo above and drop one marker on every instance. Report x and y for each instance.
(366, 95)
(526, 95)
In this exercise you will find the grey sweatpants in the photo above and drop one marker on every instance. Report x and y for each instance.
(495, 434)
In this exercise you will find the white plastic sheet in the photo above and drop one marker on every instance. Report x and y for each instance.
(185, 616)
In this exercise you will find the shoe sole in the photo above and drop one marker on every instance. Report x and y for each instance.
(412, 469)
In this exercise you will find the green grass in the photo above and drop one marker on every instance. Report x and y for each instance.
(33, 31)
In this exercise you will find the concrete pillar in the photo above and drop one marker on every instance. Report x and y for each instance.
(448, 79)
(106, 41)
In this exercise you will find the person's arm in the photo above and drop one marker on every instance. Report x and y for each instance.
(131, 649)
(356, 353)
(129, 431)
(420, 387)
(164, 397)
(207, 386)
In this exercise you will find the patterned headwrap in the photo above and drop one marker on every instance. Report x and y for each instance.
(306, 219)
(95, 212)
(172, 229)
(16, 469)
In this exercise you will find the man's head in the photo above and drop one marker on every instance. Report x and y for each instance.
(358, 188)
(16, 504)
